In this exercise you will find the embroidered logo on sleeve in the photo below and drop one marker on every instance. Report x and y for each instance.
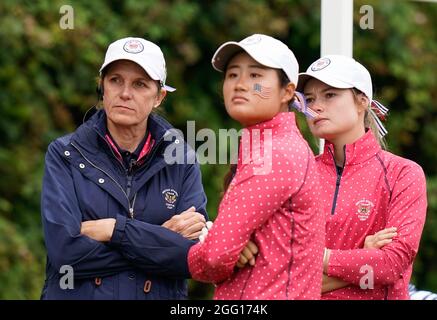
(170, 197)
(363, 209)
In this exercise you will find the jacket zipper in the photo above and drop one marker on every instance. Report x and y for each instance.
(337, 183)
(129, 173)
(131, 206)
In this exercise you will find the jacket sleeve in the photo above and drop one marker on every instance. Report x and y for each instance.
(157, 249)
(244, 208)
(407, 211)
(192, 191)
(61, 219)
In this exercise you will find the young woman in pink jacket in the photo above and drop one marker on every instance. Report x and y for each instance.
(272, 198)
(374, 201)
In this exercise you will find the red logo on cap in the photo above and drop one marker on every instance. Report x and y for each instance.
(133, 46)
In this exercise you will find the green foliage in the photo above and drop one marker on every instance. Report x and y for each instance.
(425, 268)
(48, 77)
(20, 273)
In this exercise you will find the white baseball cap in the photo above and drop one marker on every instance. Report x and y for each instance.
(144, 53)
(339, 72)
(344, 72)
(266, 50)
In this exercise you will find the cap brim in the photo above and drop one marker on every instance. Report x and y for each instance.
(304, 77)
(227, 50)
(224, 53)
(150, 73)
(168, 88)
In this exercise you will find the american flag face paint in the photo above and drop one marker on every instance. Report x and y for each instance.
(261, 91)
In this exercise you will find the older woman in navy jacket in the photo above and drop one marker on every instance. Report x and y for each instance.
(115, 210)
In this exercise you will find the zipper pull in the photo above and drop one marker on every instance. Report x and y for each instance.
(131, 212)
(132, 165)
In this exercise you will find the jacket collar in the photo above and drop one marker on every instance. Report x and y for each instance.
(358, 152)
(255, 138)
(91, 134)
(282, 122)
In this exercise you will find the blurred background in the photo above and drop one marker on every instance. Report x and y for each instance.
(48, 80)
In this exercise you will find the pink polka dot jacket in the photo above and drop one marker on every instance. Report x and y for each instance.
(375, 190)
(272, 200)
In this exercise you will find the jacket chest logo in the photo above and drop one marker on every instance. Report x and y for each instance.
(364, 208)
(170, 197)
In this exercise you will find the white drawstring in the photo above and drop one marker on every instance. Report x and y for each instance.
(300, 105)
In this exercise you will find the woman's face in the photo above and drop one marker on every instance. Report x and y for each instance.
(129, 94)
(340, 118)
(252, 92)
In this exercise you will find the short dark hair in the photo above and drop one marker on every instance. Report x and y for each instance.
(283, 79)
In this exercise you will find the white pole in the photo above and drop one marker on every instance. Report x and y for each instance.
(337, 27)
(336, 31)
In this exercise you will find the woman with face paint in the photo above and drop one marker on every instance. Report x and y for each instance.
(272, 198)
(375, 201)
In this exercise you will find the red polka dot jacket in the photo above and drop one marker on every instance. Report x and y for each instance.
(272, 200)
(375, 190)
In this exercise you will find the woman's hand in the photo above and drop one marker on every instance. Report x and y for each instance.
(204, 231)
(380, 239)
(188, 223)
(326, 255)
(247, 255)
(99, 230)
(331, 283)
(376, 241)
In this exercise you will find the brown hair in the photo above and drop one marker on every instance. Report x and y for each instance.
(369, 121)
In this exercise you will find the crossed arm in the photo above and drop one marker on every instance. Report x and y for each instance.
(376, 241)
(188, 223)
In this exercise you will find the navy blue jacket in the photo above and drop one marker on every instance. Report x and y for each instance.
(84, 180)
